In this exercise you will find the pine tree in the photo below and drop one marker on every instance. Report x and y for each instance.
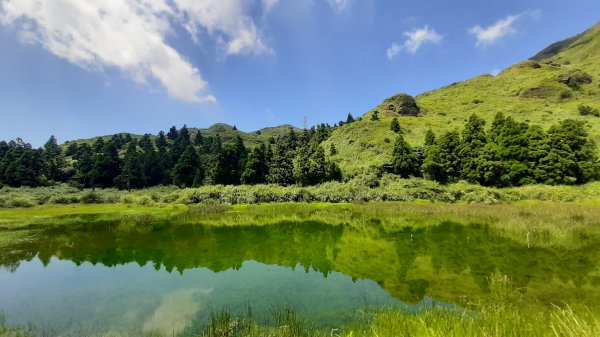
(172, 134)
(106, 166)
(26, 170)
(84, 165)
(395, 126)
(131, 175)
(404, 159)
(180, 144)
(349, 119)
(164, 164)
(430, 138)
(98, 145)
(472, 144)
(54, 159)
(186, 169)
(198, 178)
(442, 162)
(198, 139)
(332, 150)
(256, 168)
(281, 170)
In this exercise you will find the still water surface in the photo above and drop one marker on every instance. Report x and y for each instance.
(97, 277)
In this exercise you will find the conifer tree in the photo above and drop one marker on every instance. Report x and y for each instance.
(349, 119)
(472, 144)
(404, 159)
(54, 160)
(185, 170)
(131, 175)
(395, 126)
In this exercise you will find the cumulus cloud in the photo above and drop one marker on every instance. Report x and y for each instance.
(225, 20)
(500, 29)
(414, 40)
(130, 35)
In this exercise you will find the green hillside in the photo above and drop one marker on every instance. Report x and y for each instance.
(543, 90)
(227, 133)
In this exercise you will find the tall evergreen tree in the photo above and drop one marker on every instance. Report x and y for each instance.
(281, 171)
(198, 139)
(106, 166)
(85, 165)
(26, 170)
(350, 118)
(180, 144)
(172, 134)
(98, 145)
(132, 175)
(404, 159)
(310, 166)
(471, 146)
(55, 163)
(442, 162)
(395, 126)
(164, 163)
(332, 150)
(186, 169)
(257, 166)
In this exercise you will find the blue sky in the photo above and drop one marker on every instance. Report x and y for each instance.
(78, 69)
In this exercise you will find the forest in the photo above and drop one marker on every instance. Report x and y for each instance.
(508, 153)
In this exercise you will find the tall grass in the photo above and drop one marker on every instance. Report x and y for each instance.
(500, 316)
(361, 188)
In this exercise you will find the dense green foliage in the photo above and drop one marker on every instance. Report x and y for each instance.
(509, 154)
(174, 158)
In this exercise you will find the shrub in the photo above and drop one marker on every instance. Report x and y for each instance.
(91, 197)
(586, 110)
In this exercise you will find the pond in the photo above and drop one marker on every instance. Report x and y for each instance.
(93, 276)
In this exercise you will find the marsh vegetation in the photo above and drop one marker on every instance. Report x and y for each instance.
(373, 269)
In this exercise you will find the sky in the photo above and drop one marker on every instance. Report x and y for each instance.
(77, 69)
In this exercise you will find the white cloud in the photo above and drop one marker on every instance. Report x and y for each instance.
(495, 72)
(502, 28)
(225, 20)
(269, 4)
(130, 35)
(415, 39)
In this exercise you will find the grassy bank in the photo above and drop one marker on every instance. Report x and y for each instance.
(387, 188)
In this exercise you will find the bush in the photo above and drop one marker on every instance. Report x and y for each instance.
(91, 197)
(586, 110)
(20, 202)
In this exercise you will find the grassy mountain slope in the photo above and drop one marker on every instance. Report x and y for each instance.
(227, 133)
(531, 91)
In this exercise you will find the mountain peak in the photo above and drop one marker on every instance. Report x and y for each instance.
(560, 46)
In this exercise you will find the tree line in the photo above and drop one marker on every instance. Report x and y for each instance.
(175, 157)
(509, 153)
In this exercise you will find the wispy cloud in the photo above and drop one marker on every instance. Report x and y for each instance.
(500, 29)
(269, 4)
(130, 35)
(339, 5)
(224, 20)
(414, 40)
